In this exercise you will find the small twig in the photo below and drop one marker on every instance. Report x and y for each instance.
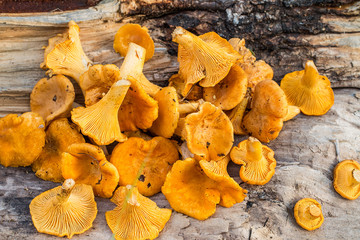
(337, 150)
(56, 10)
(250, 233)
(267, 219)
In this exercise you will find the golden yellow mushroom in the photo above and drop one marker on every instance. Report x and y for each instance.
(308, 90)
(100, 121)
(52, 98)
(236, 115)
(86, 163)
(206, 59)
(230, 91)
(135, 217)
(195, 92)
(257, 160)
(268, 109)
(65, 55)
(21, 139)
(195, 188)
(65, 210)
(308, 215)
(59, 136)
(153, 158)
(133, 33)
(209, 132)
(347, 179)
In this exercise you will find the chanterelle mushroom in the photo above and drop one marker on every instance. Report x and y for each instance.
(308, 90)
(268, 109)
(307, 213)
(209, 132)
(100, 121)
(65, 55)
(257, 160)
(133, 33)
(65, 210)
(195, 188)
(59, 136)
(21, 139)
(206, 58)
(86, 163)
(153, 158)
(347, 179)
(135, 217)
(230, 91)
(52, 98)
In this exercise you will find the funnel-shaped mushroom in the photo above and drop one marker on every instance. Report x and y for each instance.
(269, 107)
(194, 189)
(195, 92)
(138, 110)
(65, 210)
(65, 55)
(86, 163)
(347, 179)
(100, 121)
(308, 90)
(133, 33)
(133, 66)
(236, 115)
(209, 132)
(228, 92)
(135, 217)
(52, 98)
(256, 71)
(206, 58)
(307, 213)
(258, 162)
(293, 111)
(21, 139)
(59, 136)
(154, 158)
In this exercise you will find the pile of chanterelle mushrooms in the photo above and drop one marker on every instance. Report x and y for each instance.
(220, 90)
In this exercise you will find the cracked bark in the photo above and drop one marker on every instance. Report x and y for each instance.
(284, 33)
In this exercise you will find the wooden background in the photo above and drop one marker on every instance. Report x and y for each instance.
(284, 33)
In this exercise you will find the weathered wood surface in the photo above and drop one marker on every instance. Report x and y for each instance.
(285, 33)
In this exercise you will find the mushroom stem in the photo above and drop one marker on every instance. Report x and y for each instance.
(189, 107)
(310, 75)
(356, 175)
(254, 149)
(134, 62)
(66, 189)
(314, 210)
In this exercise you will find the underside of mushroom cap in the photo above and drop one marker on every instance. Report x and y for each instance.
(346, 183)
(136, 217)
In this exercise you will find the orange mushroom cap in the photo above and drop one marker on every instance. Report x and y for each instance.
(206, 58)
(133, 33)
(100, 121)
(65, 55)
(138, 110)
(347, 179)
(269, 107)
(307, 213)
(135, 217)
(257, 160)
(21, 139)
(209, 132)
(194, 189)
(59, 136)
(65, 210)
(308, 90)
(86, 163)
(156, 156)
(52, 98)
(228, 92)
(168, 114)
